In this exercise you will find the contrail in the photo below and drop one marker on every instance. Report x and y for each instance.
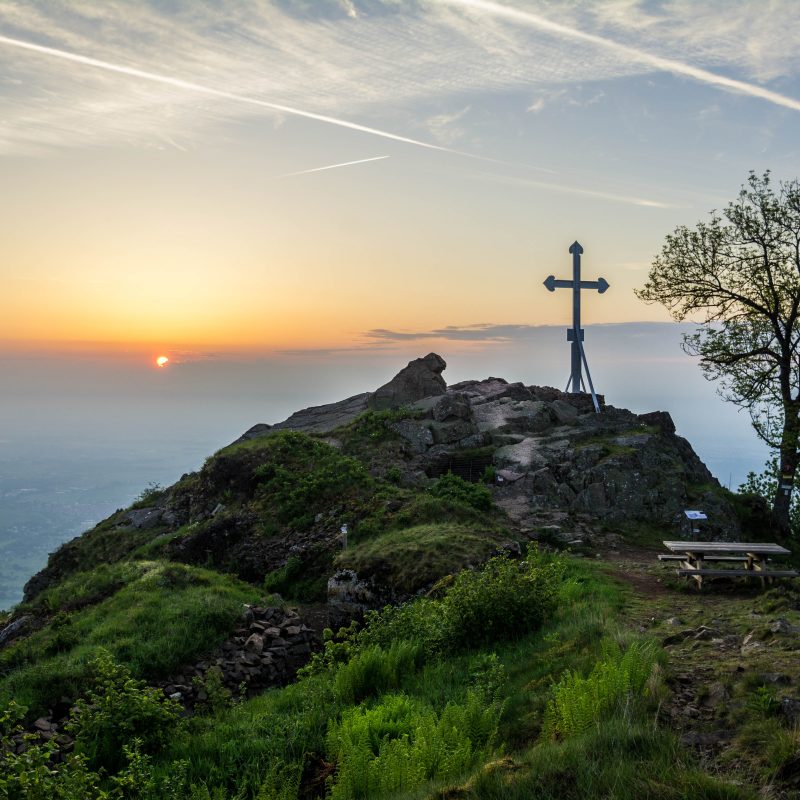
(207, 90)
(332, 166)
(565, 189)
(643, 57)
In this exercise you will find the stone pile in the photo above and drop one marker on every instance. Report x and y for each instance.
(266, 649)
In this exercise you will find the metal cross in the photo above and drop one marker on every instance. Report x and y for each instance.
(575, 334)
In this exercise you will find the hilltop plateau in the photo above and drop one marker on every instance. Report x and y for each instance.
(420, 591)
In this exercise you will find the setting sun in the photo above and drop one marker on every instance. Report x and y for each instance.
(162, 361)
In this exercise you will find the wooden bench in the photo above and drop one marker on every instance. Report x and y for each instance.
(753, 555)
(670, 557)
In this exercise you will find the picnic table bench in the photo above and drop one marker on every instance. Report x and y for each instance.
(752, 555)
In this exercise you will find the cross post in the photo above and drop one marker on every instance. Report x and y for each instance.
(575, 334)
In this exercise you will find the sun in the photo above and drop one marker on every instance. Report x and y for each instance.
(162, 361)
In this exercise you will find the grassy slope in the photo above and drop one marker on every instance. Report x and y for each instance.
(262, 744)
(158, 617)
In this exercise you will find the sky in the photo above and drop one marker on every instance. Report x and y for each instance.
(197, 179)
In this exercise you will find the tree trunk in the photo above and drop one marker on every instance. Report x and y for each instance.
(787, 468)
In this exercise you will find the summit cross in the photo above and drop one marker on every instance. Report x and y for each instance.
(575, 333)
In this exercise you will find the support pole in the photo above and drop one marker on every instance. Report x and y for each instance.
(576, 251)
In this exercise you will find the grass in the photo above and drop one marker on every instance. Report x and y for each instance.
(270, 745)
(412, 558)
(164, 617)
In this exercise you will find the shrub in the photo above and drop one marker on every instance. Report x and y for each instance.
(402, 742)
(456, 490)
(117, 710)
(503, 601)
(579, 703)
(302, 477)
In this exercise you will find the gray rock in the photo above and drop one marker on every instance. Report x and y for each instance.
(565, 412)
(324, 419)
(450, 432)
(658, 419)
(416, 435)
(15, 628)
(144, 518)
(790, 709)
(421, 378)
(255, 644)
(452, 405)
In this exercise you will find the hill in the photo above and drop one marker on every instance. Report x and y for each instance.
(445, 533)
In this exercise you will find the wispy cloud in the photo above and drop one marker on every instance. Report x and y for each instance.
(626, 52)
(333, 166)
(381, 61)
(191, 86)
(481, 332)
(570, 188)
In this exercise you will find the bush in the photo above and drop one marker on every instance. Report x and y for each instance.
(402, 743)
(579, 703)
(456, 490)
(503, 601)
(302, 477)
(117, 710)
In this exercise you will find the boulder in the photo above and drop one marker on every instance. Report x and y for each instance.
(452, 405)
(417, 437)
(421, 378)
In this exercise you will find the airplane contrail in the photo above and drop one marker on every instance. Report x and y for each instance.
(532, 20)
(207, 90)
(333, 166)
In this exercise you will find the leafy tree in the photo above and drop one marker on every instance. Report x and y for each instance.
(738, 276)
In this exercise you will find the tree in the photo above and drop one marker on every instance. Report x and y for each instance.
(738, 277)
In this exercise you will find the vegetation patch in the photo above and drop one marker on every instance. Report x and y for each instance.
(158, 622)
(412, 558)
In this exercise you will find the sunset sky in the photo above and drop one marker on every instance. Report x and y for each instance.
(163, 163)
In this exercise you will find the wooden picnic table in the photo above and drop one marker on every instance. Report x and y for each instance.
(752, 555)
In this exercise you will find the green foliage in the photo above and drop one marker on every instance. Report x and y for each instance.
(375, 425)
(117, 710)
(765, 485)
(489, 474)
(394, 474)
(504, 600)
(412, 558)
(300, 477)
(151, 494)
(159, 621)
(401, 743)
(86, 588)
(374, 671)
(304, 579)
(457, 491)
(764, 701)
(578, 703)
(35, 774)
(217, 696)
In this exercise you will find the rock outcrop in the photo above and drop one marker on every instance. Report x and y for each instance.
(421, 378)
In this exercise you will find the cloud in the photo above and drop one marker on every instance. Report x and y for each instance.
(566, 188)
(482, 332)
(443, 128)
(336, 60)
(631, 54)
